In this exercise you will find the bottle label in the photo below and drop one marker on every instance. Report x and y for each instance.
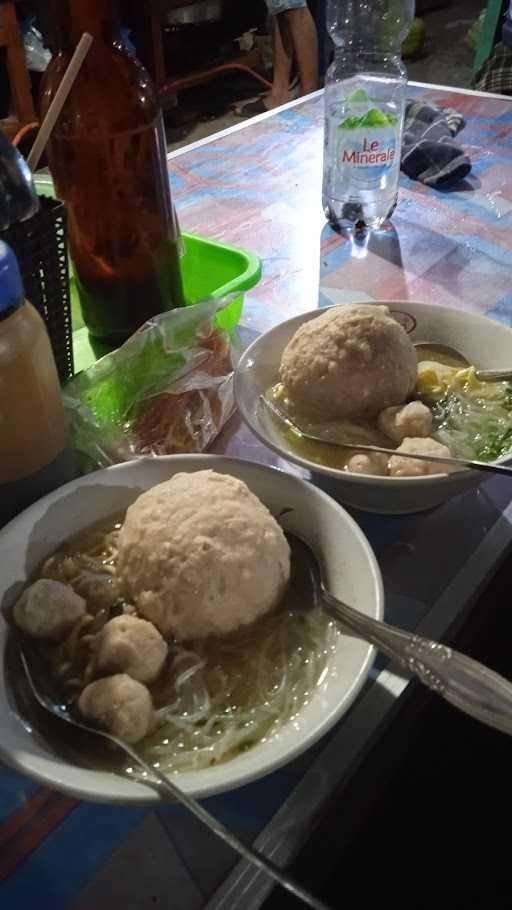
(365, 136)
(372, 153)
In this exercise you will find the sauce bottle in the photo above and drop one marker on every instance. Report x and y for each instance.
(35, 456)
(107, 156)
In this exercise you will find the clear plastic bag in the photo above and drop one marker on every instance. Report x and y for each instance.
(167, 390)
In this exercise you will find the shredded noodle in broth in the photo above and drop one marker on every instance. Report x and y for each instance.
(216, 697)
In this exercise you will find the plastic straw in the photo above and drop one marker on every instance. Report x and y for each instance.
(57, 104)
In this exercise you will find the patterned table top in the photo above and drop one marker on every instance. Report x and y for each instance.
(258, 186)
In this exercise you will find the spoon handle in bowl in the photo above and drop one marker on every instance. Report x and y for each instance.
(493, 375)
(465, 683)
(488, 466)
(152, 775)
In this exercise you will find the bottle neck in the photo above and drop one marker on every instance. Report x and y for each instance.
(351, 61)
(71, 18)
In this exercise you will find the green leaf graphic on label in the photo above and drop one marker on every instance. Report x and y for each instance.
(359, 97)
(374, 118)
(351, 123)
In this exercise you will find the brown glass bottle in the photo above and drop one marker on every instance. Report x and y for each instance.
(107, 156)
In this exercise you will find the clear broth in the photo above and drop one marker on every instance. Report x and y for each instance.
(362, 432)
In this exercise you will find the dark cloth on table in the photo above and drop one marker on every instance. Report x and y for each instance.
(428, 151)
(496, 73)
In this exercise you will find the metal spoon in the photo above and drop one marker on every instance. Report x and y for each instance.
(437, 459)
(446, 350)
(463, 682)
(49, 698)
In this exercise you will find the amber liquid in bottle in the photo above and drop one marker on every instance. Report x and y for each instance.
(35, 456)
(107, 156)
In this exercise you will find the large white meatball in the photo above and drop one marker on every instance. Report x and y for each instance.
(413, 420)
(48, 610)
(351, 361)
(408, 467)
(130, 645)
(120, 705)
(200, 555)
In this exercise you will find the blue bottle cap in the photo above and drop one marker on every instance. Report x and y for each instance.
(12, 295)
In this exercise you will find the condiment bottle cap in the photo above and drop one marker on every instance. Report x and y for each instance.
(12, 295)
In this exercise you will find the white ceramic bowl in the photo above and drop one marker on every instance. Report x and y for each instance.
(352, 572)
(484, 343)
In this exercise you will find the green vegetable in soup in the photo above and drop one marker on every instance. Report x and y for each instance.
(497, 444)
(507, 400)
(473, 418)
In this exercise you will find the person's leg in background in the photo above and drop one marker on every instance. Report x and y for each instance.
(283, 63)
(297, 23)
(295, 41)
(318, 9)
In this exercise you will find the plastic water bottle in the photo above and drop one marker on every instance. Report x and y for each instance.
(364, 109)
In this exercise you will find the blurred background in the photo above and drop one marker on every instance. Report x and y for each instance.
(211, 59)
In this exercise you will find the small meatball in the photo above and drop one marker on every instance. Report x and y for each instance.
(369, 463)
(407, 467)
(412, 420)
(49, 609)
(130, 645)
(120, 705)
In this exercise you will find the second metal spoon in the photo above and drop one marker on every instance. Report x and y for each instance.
(482, 375)
(460, 462)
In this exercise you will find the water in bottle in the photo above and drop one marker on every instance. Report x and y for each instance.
(364, 110)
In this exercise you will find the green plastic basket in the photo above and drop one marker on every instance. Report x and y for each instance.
(209, 269)
(213, 269)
